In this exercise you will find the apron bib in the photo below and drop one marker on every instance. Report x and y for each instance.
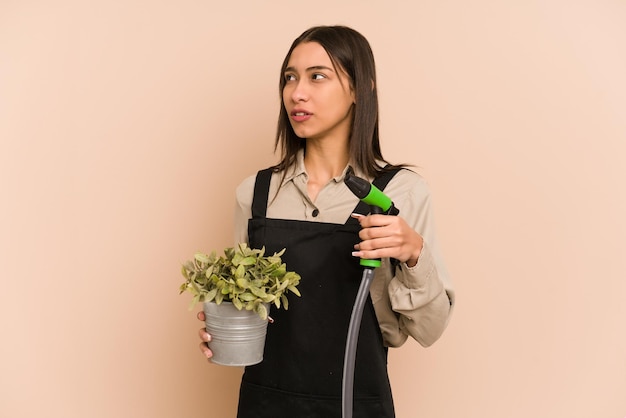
(302, 369)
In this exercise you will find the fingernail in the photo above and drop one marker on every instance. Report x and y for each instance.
(357, 215)
(356, 253)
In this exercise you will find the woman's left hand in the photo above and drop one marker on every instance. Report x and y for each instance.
(387, 236)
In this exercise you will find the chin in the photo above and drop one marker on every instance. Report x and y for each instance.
(301, 133)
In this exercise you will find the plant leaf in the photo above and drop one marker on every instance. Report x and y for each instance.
(240, 272)
(183, 270)
(247, 297)
(210, 295)
(209, 271)
(248, 261)
(262, 311)
(280, 271)
(194, 301)
(257, 291)
(201, 257)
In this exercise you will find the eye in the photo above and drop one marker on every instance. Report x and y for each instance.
(318, 76)
(289, 77)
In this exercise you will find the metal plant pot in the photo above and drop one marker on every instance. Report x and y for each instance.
(237, 337)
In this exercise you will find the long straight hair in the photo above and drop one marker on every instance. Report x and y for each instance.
(349, 51)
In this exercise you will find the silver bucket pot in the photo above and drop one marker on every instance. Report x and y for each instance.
(237, 337)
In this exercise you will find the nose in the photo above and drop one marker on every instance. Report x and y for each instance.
(300, 92)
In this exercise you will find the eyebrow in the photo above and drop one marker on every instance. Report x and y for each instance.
(313, 68)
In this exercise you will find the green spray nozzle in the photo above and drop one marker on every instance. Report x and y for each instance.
(369, 194)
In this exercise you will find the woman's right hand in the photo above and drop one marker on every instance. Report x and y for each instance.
(205, 337)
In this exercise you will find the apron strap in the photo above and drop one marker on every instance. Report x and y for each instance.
(261, 193)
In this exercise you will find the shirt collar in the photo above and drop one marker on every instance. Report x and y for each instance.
(299, 170)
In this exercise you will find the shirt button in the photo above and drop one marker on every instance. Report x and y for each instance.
(315, 213)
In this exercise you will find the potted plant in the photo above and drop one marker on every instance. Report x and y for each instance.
(236, 290)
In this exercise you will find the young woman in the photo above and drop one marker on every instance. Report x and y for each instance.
(328, 122)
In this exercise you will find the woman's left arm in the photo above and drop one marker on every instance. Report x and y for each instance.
(419, 296)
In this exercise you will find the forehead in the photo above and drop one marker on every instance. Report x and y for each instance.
(309, 54)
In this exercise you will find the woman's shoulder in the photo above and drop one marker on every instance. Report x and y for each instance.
(245, 189)
(407, 182)
(247, 182)
(408, 177)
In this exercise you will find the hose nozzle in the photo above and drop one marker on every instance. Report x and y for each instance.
(370, 194)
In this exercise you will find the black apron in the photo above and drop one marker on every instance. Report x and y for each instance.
(302, 369)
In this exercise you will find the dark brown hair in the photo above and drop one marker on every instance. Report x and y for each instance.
(350, 52)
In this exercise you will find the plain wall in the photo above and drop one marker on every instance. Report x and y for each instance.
(126, 125)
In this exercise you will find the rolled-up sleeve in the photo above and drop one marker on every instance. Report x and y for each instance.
(414, 301)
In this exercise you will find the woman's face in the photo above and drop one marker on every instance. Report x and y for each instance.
(317, 98)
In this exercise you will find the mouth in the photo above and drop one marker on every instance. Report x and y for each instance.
(300, 116)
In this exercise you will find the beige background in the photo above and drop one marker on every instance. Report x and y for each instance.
(126, 125)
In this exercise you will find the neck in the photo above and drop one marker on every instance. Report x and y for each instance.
(325, 161)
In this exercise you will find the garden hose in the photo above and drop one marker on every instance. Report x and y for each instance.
(379, 203)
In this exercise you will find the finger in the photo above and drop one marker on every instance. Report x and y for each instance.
(374, 254)
(205, 350)
(377, 243)
(375, 220)
(204, 336)
(375, 233)
(367, 221)
(201, 316)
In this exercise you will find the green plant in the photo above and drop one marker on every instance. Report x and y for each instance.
(243, 276)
